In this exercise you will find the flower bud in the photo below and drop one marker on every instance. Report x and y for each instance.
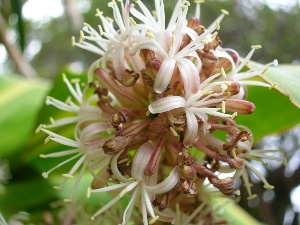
(188, 172)
(239, 106)
(152, 67)
(146, 54)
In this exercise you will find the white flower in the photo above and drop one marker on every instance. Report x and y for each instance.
(85, 153)
(142, 186)
(198, 105)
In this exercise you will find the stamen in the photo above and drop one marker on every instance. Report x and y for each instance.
(81, 38)
(284, 161)
(73, 41)
(132, 21)
(225, 12)
(52, 121)
(67, 200)
(198, 1)
(252, 196)
(173, 40)
(47, 139)
(153, 220)
(100, 30)
(57, 187)
(187, 3)
(43, 156)
(38, 129)
(256, 46)
(69, 176)
(88, 193)
(223, 107)
(218, 25)
(182, 6)
(223, 73)
(98, 12)
(234, 115)
(173, 131)
(273, 85)
(149, 35)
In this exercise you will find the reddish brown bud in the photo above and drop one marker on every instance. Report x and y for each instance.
(233, 88)
(224, 185)
(100, 182)
(122, 116)
(146, 54)
(130, 78)
(239, 106)
(193, 22)
(152, 67)
(188, 172)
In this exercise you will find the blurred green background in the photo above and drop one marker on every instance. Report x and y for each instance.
(35, 48)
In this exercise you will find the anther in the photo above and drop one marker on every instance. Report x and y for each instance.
(284, 161)
(57, 187)
(47, 139)
(173, 131)
(73, 41)
(234, 115)
(256, 46)
(132, 21)
(225, 12)
(67, 200)
(88, 193)
(38, 129)
(149, 35)
(153, 220)
(199, 1)
(252, 196)
(69, 176)
(223, 72)
(223, 107)
(218, 25)
(269, 187)
(43, 156)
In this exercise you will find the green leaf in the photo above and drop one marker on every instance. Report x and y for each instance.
(233, 213)
(274, 113)
(20, 101)
(286, 79)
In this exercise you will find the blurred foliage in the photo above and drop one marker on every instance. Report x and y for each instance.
(249, 23)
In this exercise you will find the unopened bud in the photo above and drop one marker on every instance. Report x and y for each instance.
(193, 22)
(100, 183)
(130, 78)
(152, 67)
(188, 172)
(239, 106)
(147, 54)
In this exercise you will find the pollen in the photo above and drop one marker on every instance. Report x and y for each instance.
(225, 12)
(149, 35)
(69, 176)
(223, 73)
(256, 46)
(132, 21)
(252, 197)
(153, 220)
(73, 41)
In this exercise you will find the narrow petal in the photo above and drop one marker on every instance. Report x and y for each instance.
(167, 104)
(192, 128)
(165, 185)
(164, 75)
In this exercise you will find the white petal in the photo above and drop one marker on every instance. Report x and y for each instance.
(165, 185)
(192, 128)
(189, 75)
(141, 160)
(164, 75)
(167, 104)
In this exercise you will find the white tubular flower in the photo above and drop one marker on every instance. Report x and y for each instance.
(84, 109)
(198, 105)
(235, 74)
(80, 151)
(167, 45)
(139, 184)
(113, 45)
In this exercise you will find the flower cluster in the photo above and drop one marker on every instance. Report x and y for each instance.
(150, 109)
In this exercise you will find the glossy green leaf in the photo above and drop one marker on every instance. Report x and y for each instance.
(274, 113)
(233, 213)
(20, 101)
(285, 78)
